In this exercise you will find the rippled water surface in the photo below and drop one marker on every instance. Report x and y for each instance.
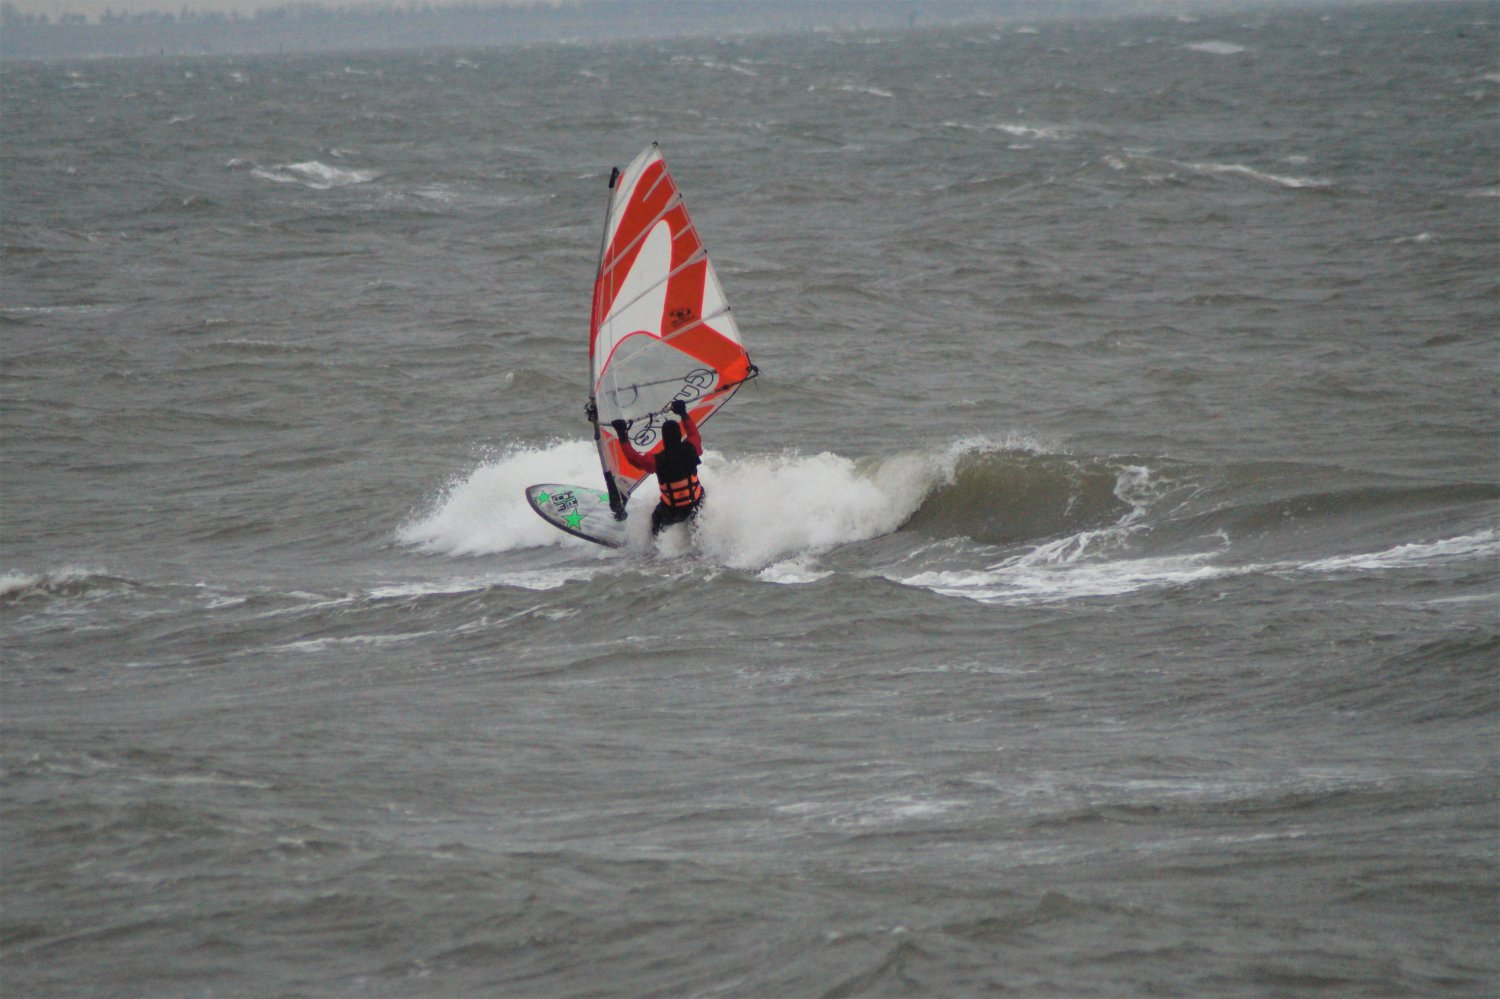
(1097, 594)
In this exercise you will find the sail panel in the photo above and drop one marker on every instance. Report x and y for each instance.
(660, 328)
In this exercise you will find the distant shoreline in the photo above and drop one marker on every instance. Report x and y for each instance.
(311, 27)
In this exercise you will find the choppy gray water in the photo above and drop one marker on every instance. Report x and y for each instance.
(1098, 594)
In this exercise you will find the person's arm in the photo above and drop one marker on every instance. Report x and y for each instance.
(689, 426)
(641, 461)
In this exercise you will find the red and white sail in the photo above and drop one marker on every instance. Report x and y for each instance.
(660, 328)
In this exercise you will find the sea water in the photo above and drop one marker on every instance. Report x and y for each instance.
(1096, 595)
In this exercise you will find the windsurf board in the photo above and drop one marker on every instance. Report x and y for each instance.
(582, 511)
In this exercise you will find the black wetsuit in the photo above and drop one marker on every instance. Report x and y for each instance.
(676, 469)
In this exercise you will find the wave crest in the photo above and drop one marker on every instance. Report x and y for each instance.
(69, 581)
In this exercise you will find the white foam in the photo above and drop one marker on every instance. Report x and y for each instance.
(313, 174)
(766, 512)
(714, 64)
(792, 571)
(310, 645)
(1479, 545)
(486, 512)
(1029, 131)
(894, 809)
(854, 88)
(1215, 48)
(531, 579)
(57, 310)
(763, 509)
(1240, 169)
(1059, 573)
(189, 780)
(15, 584)
(1014, 129)
(1079, 567)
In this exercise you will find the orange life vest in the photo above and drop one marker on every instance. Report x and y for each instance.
(682, 493)
(677, 476)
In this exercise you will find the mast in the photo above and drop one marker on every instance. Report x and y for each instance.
(616, 502)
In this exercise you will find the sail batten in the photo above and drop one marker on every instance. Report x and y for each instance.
(699, 256)
(661, 328)
(645, 231)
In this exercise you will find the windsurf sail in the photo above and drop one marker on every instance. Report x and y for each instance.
(660, 328)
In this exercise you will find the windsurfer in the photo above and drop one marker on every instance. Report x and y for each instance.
(675, 467)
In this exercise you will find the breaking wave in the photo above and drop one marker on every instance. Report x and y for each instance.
(761, 508)
(313, 174)
(1215, 47)
(764, 509)
(996, 522)
(16, 586)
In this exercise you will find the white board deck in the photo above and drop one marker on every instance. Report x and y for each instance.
(582, 511)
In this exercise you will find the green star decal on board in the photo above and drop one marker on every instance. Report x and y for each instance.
(574, 519)
(544, 497)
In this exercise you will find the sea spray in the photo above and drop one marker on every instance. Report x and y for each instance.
(486, 512)
(764, 509)
(760, 509)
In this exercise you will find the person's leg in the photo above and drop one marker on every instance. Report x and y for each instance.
(665, 516)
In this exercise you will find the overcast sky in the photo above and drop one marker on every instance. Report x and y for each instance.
(93, 8)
